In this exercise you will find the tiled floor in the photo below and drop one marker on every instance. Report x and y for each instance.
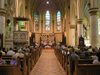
(48, 65)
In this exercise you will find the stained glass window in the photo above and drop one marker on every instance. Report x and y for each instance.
(47, 22)
(58, 20)
(36, 21)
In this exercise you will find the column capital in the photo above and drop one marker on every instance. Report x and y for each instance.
(72, 26)
(2, 12)
(79, 21)
(93, 11)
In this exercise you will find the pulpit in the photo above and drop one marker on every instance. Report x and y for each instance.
(20, 38)
(81, 42)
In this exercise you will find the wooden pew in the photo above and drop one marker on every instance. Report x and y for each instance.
(7, 58)
(35, 54)
(86, 69)
(10, 69)
(65, 63)
(32, 60)
(85, 61)
(23, 65)
(22, 60)
(71, 65)
(28, 63)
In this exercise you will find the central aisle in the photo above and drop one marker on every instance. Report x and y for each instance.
(48, 65)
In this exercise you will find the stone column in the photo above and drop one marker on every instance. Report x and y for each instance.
(93, 10)
(72, 35)
(67, 18)
(2, 4)
(88, 32)
(79, 29)
(72, 24)
(17, 27)
(12, 29)
(23, 27)
(80, 4)
(7, 31)
(94, 28)
(16, 8)
(2, 21)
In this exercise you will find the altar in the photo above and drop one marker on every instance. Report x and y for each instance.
(48, 43)
(47, 40)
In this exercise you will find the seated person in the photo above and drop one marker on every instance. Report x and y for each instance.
(87, 56)
(90, 49)
(1, 50)
(27, 51)
(1, 60)
(97, 61)
(4, 50)
(20, 54)
(14, 61)
(73, 56)
(10, 52)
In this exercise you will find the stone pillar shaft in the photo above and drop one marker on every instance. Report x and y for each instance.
(94, 30)
(72, 35)
(2, 28)
(93, 10)
(2, 3)
(17, 8)
(2, 21)
(79, 29)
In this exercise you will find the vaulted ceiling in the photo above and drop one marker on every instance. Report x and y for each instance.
(41, 5)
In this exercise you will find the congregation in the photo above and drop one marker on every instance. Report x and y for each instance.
(69, 56)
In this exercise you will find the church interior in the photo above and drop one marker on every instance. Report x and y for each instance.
(50, 37)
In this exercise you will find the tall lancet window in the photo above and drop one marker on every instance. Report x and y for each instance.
(36, 21)
(47, 21)
(58, 20)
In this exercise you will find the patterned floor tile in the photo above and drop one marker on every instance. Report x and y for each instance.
(48, 65)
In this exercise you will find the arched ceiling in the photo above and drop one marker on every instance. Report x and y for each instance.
(42, 6)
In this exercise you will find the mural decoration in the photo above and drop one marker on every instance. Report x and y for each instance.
(47, 22)
(36, 21)
(58, 20)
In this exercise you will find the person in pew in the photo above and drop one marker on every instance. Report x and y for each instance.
(97, 61)
(14, 61)
(96, 49)
(4, 50)
(10, 52)
(1, 60)
(86, 56)
(90, 49)
(73, 54)
(1, 50)
(20, 54)
(27, 51)
(82, 54)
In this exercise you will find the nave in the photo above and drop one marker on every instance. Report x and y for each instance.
(48, 65)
